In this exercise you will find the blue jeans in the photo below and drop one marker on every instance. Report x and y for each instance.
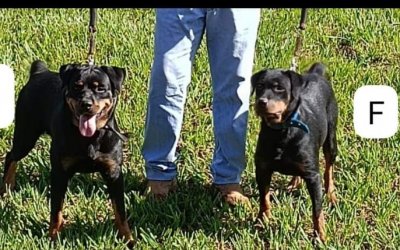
(231, 36)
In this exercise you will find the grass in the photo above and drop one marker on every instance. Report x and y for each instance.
(359, 46)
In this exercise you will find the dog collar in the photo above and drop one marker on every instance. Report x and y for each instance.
(293, 121)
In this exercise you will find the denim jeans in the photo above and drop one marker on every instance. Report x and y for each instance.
(230, 36)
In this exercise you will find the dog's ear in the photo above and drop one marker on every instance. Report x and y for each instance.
(255, 79)
(296, 81)
(117, 76)
(66, 72)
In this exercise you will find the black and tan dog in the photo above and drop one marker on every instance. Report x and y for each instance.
(298, 116)
(76, 107)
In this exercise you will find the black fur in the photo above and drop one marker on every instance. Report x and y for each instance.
(289, 149)
(42, 108)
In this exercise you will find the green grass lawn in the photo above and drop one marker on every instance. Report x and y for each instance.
(359, 47)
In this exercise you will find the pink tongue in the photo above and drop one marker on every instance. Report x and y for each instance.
(87, 125)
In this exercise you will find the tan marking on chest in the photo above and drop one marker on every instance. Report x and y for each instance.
(107, 163)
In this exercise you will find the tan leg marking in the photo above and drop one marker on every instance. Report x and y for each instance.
(9, 178)
(56, 226)
(329, 185)
(319, 226)
(122, 226)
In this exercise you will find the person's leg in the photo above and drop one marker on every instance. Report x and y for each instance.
(231, 36)
(178, 34)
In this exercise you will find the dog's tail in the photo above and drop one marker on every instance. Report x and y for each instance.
(38, 67)
(317, 68)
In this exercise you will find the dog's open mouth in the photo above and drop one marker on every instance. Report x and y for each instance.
(273, 112)
(273, 118)
(88, 123)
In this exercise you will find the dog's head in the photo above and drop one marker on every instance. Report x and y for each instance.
(91, 94)
(277, 94)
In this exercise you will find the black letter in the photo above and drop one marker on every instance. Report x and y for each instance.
(371, 113)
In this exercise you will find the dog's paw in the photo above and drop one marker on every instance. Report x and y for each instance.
(130, 244)
(295, 183)
(319, 238)
(6, 188)
(264, 215)
(55, 228)
(333, 201)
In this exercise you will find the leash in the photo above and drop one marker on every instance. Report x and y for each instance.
(299, 39)
(122, 136)
(90, 60)
(295, 120)
(92, 36)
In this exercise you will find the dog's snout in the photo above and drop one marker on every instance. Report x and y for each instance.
(262, 102)
(86, 105)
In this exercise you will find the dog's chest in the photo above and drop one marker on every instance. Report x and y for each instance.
(279, 145)
(84, 155)
(282, 151)
(99, 162)
(277, 154)
(286, 160)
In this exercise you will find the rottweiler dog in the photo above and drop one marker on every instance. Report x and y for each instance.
(298, 116)
(76, 107)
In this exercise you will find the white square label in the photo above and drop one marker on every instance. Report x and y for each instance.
(6, 96)
(375, 111)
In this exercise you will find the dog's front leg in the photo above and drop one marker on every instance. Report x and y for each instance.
(116, 192)
(263, 178)
(59, 184)
(10, 169)
(313, 181)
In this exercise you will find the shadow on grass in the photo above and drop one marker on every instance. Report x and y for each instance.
(195, 207)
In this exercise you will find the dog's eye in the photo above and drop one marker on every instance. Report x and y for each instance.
(279, 89)
(101, 89)
(259, 86)
(78, 87)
